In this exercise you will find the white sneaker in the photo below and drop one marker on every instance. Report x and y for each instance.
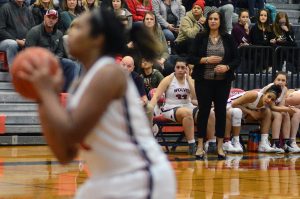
(264, 147)
(277, 150)
(238, 147)
(228, 147)
(293, 148)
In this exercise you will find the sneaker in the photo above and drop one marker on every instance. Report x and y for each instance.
(264, 147)
(210, 147)
(228, 147)
(237, 145)
(192, 149)
(293, 148)
(277, 149)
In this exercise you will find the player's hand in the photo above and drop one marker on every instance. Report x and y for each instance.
(38, 73)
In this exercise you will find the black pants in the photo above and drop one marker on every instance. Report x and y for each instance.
(209, 91)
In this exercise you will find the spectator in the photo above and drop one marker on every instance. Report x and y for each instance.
(138, 9)
(169, 14)
(241, 30)
(16, 21)
(47, 36)
(284, 34)
(283, 31)
(152, 77)
(225, 7)
(261, 34)
(39, 9)
(90, 4)
(190, 26)
(122, 12)
(215, 58)
(128, 63)
(151, 24)
(69, 13)
(178, 107)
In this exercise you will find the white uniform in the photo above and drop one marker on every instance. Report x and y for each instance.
(177, 96)
(125, 160)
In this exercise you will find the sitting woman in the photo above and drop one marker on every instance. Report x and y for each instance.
(39, 9)
(151, 24)
(180, 100)
(190, 26)
(256, 106)
(169, 14)
(90, 4)
(281, 116)
(240, 31)
(122, 13)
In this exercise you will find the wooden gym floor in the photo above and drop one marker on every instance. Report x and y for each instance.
(33, 172)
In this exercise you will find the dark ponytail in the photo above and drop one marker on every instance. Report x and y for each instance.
(145, 44)
(104, 21)
(276, 89)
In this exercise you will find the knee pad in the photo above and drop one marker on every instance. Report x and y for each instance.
(236, 117)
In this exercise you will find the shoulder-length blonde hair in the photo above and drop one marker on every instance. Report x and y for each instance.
(40, 3)
(86, 6)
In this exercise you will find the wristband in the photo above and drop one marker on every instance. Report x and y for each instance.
(206, 61)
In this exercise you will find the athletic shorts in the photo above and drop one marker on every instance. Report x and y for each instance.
(171, 113)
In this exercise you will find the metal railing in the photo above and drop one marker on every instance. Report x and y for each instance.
(259, 65)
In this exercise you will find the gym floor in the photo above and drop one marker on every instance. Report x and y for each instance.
(33, 172)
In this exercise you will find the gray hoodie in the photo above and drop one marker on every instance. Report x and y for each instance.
(15, 21)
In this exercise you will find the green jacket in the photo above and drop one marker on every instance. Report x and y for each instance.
(189, 28)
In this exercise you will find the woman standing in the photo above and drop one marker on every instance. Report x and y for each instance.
(113, 134)
(215, 58)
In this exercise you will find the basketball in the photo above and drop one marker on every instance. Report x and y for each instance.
(24, 87)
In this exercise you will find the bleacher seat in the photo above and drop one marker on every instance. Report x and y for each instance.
(3, 61)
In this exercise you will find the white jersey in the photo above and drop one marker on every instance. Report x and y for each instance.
(178, 95)
(252, 105)
(121, 142)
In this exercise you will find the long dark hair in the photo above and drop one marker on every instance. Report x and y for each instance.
(222, 28)
(104, 21)
(267, 25)
(276, 89)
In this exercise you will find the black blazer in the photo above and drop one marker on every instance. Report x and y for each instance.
(199, 50)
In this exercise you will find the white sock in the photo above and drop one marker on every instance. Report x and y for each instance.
(264, 138)
(236, 138)
(212, 140)
(191, 141)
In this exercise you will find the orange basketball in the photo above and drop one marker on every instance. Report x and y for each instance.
(24, 87)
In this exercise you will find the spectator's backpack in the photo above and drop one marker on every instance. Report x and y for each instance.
(272, 10)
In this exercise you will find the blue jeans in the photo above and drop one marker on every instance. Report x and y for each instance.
(169, 35)
(11, 48)
(71, 70)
